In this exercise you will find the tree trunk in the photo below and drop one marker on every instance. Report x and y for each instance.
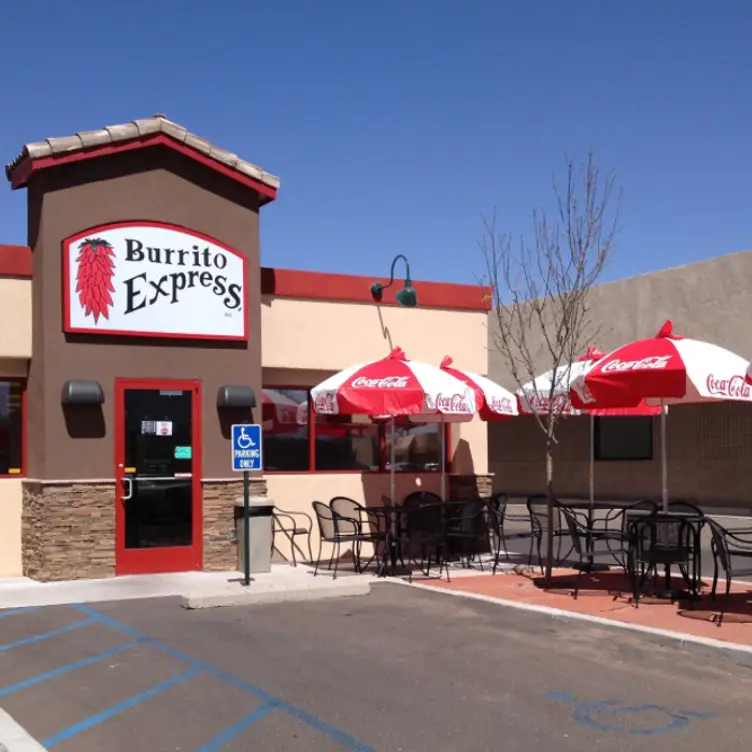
(550, 502)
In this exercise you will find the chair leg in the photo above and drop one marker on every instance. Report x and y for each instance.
(318, 559)
(310, 547)
(292, 549)
(336, 549)
(577, 582)
(540, 558)
(715, 580)
(726, 596)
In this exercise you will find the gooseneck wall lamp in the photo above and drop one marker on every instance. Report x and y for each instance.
(406, 296)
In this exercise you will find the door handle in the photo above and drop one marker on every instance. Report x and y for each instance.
(129, 492)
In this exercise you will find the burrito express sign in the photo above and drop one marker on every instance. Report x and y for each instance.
(146, 279)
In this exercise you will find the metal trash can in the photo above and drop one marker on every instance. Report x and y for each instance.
(261, 534)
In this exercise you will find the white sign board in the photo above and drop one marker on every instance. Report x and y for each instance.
(146, 279)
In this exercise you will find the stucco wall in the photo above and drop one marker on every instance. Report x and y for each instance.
(15, 319)
(708, 446)
(332, 336)
(11, 496)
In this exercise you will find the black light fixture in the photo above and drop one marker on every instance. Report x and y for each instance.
(406, 296)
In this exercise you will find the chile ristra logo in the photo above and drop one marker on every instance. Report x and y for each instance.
(96, 268)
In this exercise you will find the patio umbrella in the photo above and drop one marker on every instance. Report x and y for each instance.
(393, 386)
(663, 370)
(492, 403)
(537, 396)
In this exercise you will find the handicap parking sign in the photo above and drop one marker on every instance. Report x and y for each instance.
(246, 448)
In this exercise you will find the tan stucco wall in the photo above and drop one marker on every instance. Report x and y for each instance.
(15, 318)
(10, 527)
(709, 447)
(332, 336)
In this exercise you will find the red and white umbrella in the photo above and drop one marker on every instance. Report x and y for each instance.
(663, 370)
(492, 401)
(393, 386)
(551, 389)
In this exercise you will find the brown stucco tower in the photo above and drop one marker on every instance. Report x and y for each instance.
(146, 308)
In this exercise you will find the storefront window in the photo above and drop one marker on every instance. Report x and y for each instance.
(346, 442)
(11, 428)
(417, 446)
(285, 430)
(341, 442)
(624, 438)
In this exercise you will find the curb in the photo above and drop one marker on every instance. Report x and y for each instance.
(252, 597)
(681, 639)
(14, 738)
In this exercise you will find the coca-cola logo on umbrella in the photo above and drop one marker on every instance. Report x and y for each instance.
(654, 362)
(559, 403)
(501, 405)
(388, 382)
(735, 388)
(452, 403)
(324, 403)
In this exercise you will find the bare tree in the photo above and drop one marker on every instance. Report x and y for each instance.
(541, 291)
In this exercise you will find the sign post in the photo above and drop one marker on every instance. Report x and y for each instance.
(246, 457)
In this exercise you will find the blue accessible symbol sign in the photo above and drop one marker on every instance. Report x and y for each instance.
(246, 448)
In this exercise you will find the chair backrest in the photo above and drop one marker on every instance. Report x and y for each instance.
(685, 506)
(497, 510)
(537, 507)
(325, 519)
(575, 531)
(419, 498)
(719, 544)
(348, 515)
(636, 511)
(467, 517)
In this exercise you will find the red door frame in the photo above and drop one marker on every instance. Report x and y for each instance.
(158, 560)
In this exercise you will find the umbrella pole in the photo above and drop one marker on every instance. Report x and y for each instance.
(664, 458)
(592, 462)
(392, 489)
(443, 460)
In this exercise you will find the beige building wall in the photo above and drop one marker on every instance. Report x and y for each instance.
(15, 350)
(709, 446)
(15, 320)
(10, 527)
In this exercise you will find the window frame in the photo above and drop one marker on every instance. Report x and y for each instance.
(597, 455)
(383, 458)
(23, 382)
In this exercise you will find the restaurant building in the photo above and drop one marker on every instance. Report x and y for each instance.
(709, 446)
(138, 325)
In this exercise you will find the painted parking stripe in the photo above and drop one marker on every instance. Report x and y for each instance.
(46, 635)
(350, 743)
(236, 729)
(16, 611)
(98, 718)
(65, 669)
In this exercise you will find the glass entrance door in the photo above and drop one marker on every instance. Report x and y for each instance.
(158, 469)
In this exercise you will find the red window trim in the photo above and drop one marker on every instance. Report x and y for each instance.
(382, 445)
(19, 380)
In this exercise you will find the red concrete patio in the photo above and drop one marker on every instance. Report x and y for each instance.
(608, 596)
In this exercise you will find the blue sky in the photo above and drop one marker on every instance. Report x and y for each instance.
(394, 125)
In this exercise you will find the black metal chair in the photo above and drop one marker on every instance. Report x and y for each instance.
(725, 546)
(421, 532)
(329, 532)
(583, 546)
(286, 523)
(467, 529)
(537, 507)
(498, 516)
(356, 521)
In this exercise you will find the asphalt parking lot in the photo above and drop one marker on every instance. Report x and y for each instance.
(401, 670)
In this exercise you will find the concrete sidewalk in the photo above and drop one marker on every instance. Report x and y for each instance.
(197, 589)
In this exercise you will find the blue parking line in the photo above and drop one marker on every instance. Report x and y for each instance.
(350, 743)
(53, 633)
(65, 669)
(236, 729)
(15, 611)
(98, 718)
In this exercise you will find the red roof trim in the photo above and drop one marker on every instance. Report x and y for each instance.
(15, 261)
(349, 288)
(26, 167)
